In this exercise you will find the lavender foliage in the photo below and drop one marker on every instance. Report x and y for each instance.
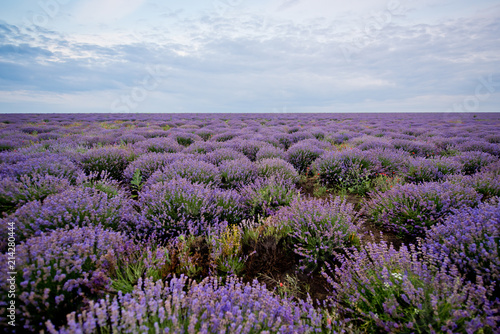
(409, 209)
(190, 169)
(318, 229)
(470, 239)
(276, 167)
(179, 206)
(344, 169)
(58, 271)
(181, 306)
(389, 290)
(75, 207)
(112, 160)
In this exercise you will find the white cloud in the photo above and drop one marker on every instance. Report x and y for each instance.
(105, 11)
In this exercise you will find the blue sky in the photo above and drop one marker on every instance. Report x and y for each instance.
(249, 56)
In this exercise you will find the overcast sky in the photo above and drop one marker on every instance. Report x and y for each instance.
(249, 56)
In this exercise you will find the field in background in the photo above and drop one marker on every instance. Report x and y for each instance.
(246, 223)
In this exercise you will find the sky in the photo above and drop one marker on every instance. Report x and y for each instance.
(275, 56)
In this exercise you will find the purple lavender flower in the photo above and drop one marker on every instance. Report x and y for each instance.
(270, 151)
(264, 196)
(430, 170)
(206, 307)
(410, 209)
(319, 228)
(149, 163)
(178, 206)
(474, 161)
(217, 156)
(110, 159)
(73, 207)
(470, 238)
(40, 164)
(58, 271)
(159, 145)
(189, 169)
(236, 173)
(391, 290)
(15, 191)
(276, 167)
(302, 154)
(344, 169)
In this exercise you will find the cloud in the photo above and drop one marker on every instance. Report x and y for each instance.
(105, 11)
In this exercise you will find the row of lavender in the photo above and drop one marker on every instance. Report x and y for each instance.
(112, 204)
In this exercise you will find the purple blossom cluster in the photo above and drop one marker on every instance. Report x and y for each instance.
(159, 145)
(470, 239)
(182, 306)
(52, 164)
(344, 169)
(318, 229)
(388, 161)
(191, 169)
(430, 170)
(409, 209)
(270, 151)
(149, 163)
(237, 173)
(73, 207)
(179, 206)
(58, 271)
(217, 156)
(264, 196)
(485, 183)
(474, 161)
(418, 148)
(113, 160)
(15, 191)
(276, 167)
(302, 154)
(392, 290)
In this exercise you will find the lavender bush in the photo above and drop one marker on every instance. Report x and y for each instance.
(15, 191)
(276, 167)
(473, 161)
(236, 173)
(410, 209)
(470, 239)
(110, 159)
(178, 206)
(269, 151)
(349, 169)
(72, 208)
(190, 169)
(430, 170)
(217, 156)
(159, 145)
(51, 164)
(485, 183)
(59, 271)
(391, 162)
(303, 154)
(181, 306)
(264, 196)
(149, 163)
(381, 288)
(479, 145)
(318, 229)
(417, 148)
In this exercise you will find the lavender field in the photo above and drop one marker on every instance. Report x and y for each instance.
(250, 223)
